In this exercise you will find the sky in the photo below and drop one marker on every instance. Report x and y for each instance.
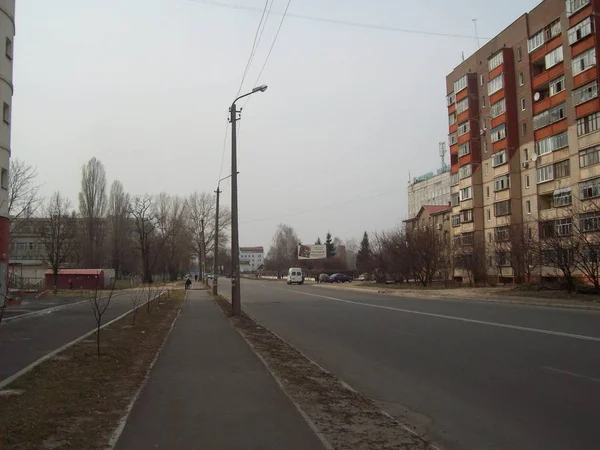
(145, 86)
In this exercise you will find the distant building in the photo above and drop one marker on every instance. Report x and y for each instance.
(251, 258)
(429, 189)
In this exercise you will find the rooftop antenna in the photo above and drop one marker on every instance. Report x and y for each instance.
(463, 55)
(409, 177)
(443, 154)
(476, 34)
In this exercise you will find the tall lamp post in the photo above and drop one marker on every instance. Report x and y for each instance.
(236, 301)
(215, 286)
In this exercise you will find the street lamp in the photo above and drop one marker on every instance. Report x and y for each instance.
(215, 287)
(236, 301)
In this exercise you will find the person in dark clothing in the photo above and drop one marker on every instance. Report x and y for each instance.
(196, 277)
(188, 282)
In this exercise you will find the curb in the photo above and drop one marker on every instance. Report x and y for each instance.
(55, 352)
(114, 438)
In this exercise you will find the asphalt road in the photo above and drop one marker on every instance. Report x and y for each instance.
(474, 375)
(24, 341)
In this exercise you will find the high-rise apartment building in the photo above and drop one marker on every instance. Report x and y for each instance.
(524, 126)
(7, 34)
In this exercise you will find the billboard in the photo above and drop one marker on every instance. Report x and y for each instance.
(312, 251)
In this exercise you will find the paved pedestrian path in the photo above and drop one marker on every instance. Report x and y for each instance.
(208, 390)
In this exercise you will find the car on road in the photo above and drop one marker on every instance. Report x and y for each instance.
(295, 276)
(323, 278)
(340, 278)
(363, 277)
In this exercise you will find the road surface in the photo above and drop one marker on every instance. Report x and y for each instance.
(475, 375)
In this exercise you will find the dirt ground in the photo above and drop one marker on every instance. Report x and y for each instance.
(75, 400)
(348, 420)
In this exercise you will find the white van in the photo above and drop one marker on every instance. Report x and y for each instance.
(295, 275)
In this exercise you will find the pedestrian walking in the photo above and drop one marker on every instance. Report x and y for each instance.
(188, 282)
(196, 277)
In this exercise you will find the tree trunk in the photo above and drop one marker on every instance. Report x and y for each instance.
(98, 337)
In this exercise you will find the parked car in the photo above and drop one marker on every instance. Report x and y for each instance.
(363, 277)
(340, 278)
(323, 278)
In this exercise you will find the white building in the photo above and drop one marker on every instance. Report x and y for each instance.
(429, 189)
(251, 258)
(7, 35)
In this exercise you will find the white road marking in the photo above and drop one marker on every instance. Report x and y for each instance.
(573, 374)
(460, 319)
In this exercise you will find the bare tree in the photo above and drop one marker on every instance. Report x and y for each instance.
(137, 296)
(24, 197)
(524, 249)
(145, 225)
(283, 251)
(424, 254)
(352, 248)
(559, 248)
(469, 256)
(100, 304)
(171, 226)
(118, 215)
(92, 208)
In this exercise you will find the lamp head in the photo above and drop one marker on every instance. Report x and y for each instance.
(261, 88)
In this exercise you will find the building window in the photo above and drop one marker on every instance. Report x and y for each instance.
(557, 85)
(464, 149)
(522, 103)
(561, 169)
(450, 99)
(552, 115)
(589, 156)
(563, 227)
(466, 193)
(464, 171)
(489, 214)
(527, 181)
(498, 133)
(6, 113)
(467, 216)
(464, 127)
(551, 143)
(501, 183)
(585, 93)
(454, 179)
(584, 61)
(502, 208)
(487, 192)
(519, 54)
(455, 199)
(484, 146)
(487, 169)
(460, 84)
(562, 197)
(581, 30)
(4, 179)
(501, 234)
(525, 154)
(499, 158)
(545, 173)
(575, 5)
(481, 79)
(590, 221)
(589, 189)
(452, 138)
(554, 57)
(528, 207)
(9, 48)
(489, 236)
(494, 62)
(521, 79)
(495, 84)
(483, 101)
(452, 118)
(588, 124)
(456, 220)
(524, 128)
(462, 105)
(498, 108)
(535, 42)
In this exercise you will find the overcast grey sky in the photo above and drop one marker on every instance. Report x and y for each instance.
(145, 85)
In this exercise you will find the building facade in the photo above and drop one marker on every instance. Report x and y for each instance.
(524, 127)
(7, 34)
(429, 189)
(251, 258)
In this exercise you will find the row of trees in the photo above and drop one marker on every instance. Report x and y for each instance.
(143, 234)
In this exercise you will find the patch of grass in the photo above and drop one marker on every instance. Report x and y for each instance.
(76, 399)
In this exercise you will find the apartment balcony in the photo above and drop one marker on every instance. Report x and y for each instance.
(501, 195)
(547, 102)
(542, 77)
(502, 221)
(467, 227)
(551, 130)
(546, 188)
(585, 77)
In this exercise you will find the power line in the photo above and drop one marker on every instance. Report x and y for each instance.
(328, 207)
(337, 22)
(251, 57)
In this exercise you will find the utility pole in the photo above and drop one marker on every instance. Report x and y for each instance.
(215, 286)
(236, 300)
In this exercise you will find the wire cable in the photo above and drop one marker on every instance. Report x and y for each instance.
(251, 57)
(339, 22)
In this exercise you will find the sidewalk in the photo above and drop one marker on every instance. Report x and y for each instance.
(208, 390)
